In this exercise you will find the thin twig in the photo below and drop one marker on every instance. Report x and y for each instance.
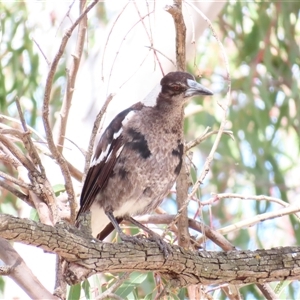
(67, 15)
(124, 38)
(204, 136)
(165, 56)
(40, 185)
(22, 274)
(8, 158)
(114, 286)
(16, 192)
(150, 37)
(28, 141)
(217, 197)
(94, 133)
(18, 154)
(291, 209)
(42, 52)
(210, 233)
(108, 37)
(135, 71)
(30, 129)
(45, 114)
(15, 181)
(71, 78)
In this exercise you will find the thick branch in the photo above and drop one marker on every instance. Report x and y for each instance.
(176, 11)
(182, 182)
(183, 267)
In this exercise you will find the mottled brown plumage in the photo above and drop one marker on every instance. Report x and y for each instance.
(139, 157)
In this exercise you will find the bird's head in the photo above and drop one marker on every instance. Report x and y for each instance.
(182, 85)
(174, 90)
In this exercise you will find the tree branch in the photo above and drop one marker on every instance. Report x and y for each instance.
(94, 133)
(53, 149)
(182, 182)
(183, 267)
(21, 274)
(71, 78)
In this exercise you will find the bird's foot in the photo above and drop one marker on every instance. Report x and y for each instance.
(140, 239)
(162, 244)
(137, 239)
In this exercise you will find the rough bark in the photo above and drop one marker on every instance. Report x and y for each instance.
(182, 267)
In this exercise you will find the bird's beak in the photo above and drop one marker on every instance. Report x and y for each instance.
(196, 88)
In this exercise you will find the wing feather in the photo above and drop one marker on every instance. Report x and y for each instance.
(107, 152)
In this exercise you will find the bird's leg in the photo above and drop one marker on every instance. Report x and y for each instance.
(163, 245)
(124, 237)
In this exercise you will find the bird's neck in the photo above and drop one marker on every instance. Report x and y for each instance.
(169, 120)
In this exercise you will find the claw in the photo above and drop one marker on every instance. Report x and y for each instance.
(164, 247)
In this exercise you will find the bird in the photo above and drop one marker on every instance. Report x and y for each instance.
(138, 158)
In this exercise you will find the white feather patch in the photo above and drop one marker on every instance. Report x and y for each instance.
(101, 157)
(127, 118)
(117, 134)
(119, 151)
(99, 219)
(150, 99)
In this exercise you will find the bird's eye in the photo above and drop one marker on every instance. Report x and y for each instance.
(176, 87)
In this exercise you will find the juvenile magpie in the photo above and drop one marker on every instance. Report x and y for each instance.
(138, 159)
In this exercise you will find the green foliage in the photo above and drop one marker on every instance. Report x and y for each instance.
(74, 292)
(262, 42)
(19, 63)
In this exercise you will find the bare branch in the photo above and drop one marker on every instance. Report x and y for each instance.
(113, 287)
(16, 192)
(108, 37)
(208, 232)
(28, 142)
(71, 78)
(43, 210)
(17, 153)
(32, 130)
(291, 209)
(21, 274)
(182, 268)
(176, 11)
(149, 34)
(182, 182)
(40, 185)
(41, 50)
(121, 44)
(94, 133)
(224, 107)
(7, 157)
(204, 136)
(155, 50)
(15, 181)
(217, 197)
(53, 149)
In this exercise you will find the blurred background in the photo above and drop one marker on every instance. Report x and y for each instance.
(261, 40)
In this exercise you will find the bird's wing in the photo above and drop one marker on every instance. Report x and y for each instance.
(108, 150)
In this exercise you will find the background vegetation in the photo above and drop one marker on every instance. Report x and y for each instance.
(262, 42)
